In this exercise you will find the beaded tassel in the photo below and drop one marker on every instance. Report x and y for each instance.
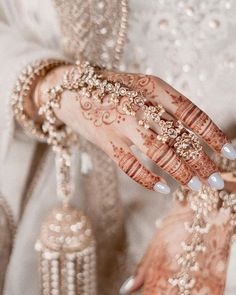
(67, 253)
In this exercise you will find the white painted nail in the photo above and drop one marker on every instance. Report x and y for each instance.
(161, 188)
(195, 184)
(216, 181)
(229, 151)
(127, 285)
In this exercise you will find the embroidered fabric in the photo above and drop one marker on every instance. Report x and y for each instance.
(93, 30)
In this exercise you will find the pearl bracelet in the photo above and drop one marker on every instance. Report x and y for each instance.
(23, 90)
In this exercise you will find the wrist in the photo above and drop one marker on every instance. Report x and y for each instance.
(53, 77)
(40, 96)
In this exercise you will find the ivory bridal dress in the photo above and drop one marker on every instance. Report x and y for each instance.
(190, 44)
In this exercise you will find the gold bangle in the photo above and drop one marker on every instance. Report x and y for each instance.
(23, 89)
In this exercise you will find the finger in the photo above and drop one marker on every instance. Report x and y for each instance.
(200, 123)
(202, 166)
(205, 168)
(187, 147)
(165, 157)
(126, 160)
(135, 282)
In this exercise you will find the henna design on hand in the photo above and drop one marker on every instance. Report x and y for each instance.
(145, 84)
(101, 114)
(165, 158)
(213, 263)
(156, 282)
(203, 165)
(133, 168)
(109, 112)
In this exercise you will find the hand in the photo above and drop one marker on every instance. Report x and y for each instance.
(109, 127)
(159, 263)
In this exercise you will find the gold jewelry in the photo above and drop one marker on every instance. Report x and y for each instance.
(187, 145)
(67, 253)
(169, 130)
(151, 113)
(229, 202)
(23, 90)
(83, 77)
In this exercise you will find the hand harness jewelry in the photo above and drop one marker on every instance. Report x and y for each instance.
(84, 77)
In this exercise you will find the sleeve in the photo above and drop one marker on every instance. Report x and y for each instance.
(28, 31)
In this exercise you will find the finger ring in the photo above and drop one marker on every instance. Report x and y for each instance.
(188, 146)
(186, 143)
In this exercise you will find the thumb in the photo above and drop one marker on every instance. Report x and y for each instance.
(136, 281)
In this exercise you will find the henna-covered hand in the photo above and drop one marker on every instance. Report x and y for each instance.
(160, 263)
(108, 126)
